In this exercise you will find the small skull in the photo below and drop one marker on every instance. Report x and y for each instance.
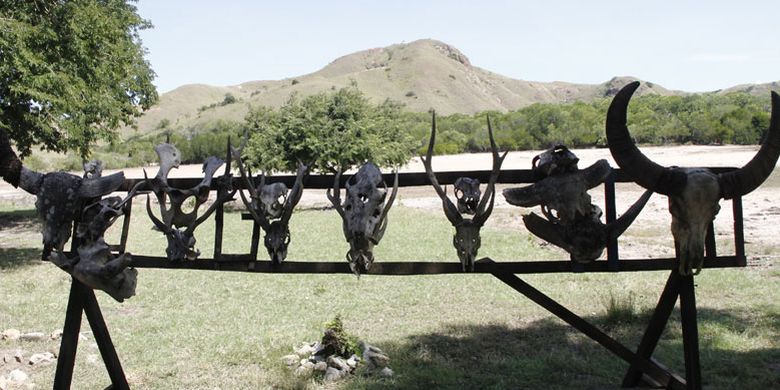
(272, 199)
(277, 239)
(467, 242)
(555, 160)
(468, 194)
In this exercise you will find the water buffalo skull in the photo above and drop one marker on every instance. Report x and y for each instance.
(693, 193)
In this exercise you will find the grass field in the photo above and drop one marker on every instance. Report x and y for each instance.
(207, 330)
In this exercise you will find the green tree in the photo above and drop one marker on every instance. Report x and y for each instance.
(71, 72)
(327, 131)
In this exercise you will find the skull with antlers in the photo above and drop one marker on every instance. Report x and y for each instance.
(271, 206)
(467, 239)
(363, 213)
(181, 243)
(573, 223)
(693, 193)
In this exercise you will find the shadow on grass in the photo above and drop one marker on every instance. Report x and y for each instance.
(549, 354)
(13, 258)
(18, 219)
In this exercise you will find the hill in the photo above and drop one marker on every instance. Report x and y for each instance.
(423, 74)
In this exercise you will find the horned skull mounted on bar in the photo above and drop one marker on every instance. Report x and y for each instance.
(693, 193)
(467, 239)
(573, 223)
(95, 265)
(181, 243)
(271, 206)
(363, 213)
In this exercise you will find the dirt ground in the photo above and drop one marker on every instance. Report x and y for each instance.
(649, 235)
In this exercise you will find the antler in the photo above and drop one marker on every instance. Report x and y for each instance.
(160, 225)
(335, 196)
(250, 205)
(380, 231)
(482, 213)
(295, 193)
(450, 210)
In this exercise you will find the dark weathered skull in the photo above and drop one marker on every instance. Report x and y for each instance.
(272, 199)
(467, 242)
(555, 160)
(693, 193)
(97, 268)
(360, 255)
(467, 192)
(364, 202)
(277, 239)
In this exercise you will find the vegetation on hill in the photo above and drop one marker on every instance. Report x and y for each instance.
(343, 128)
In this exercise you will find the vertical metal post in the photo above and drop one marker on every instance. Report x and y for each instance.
(611, 215)
(739, 232)
(70, 339)
(690, 333)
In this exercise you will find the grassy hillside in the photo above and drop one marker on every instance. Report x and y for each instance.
(422, 74)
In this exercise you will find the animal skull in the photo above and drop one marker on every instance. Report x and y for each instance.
(363, 213)
(269, 201)
(573, 223)
(97, 268)
(467, 193)
(693, 193)
(466, 240)
(178, 226)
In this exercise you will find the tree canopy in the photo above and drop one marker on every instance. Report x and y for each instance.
(71, 72)
(328, 131)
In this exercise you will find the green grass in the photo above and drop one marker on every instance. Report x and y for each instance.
(201, 329)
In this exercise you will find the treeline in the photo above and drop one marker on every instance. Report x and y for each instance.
(342, 127)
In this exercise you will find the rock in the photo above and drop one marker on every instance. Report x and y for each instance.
(333, 374)
(33, 336)
(55, 350)
(19, 355)
(305, 369)
(17, 377)
(375, 357)
(11, 334)
(56, 335)
(38, 358)
(290, 360)
(321, 366)
(352, 362)
(305, 351)
(386, 373)
(3, 383)
(338, 363)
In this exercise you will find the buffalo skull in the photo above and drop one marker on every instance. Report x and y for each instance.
(693, 193)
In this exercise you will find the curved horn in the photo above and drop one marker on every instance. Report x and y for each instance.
(749, 177)
(99, 186)
(295, 193)
(482, 213)
(641, 169)
(616, 228)
(12, 170)
(450, 210)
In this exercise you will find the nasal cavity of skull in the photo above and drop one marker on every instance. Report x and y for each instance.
(363, 198)
(188, 205)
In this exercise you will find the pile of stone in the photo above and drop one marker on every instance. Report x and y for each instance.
(317, 359)
(15, 363)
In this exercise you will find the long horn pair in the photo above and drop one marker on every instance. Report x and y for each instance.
(669, 181)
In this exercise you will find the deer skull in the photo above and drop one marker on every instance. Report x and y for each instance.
(363, 213)
(466, 240)
(693, 193)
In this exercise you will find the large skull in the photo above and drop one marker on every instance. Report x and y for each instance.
(693, 193)
(364, 202)
(97, 268)
(272, 199)
(467, 192)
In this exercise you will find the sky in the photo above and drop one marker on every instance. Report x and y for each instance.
(684, 45)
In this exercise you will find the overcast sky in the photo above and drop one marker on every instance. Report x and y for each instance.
(685, 45)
